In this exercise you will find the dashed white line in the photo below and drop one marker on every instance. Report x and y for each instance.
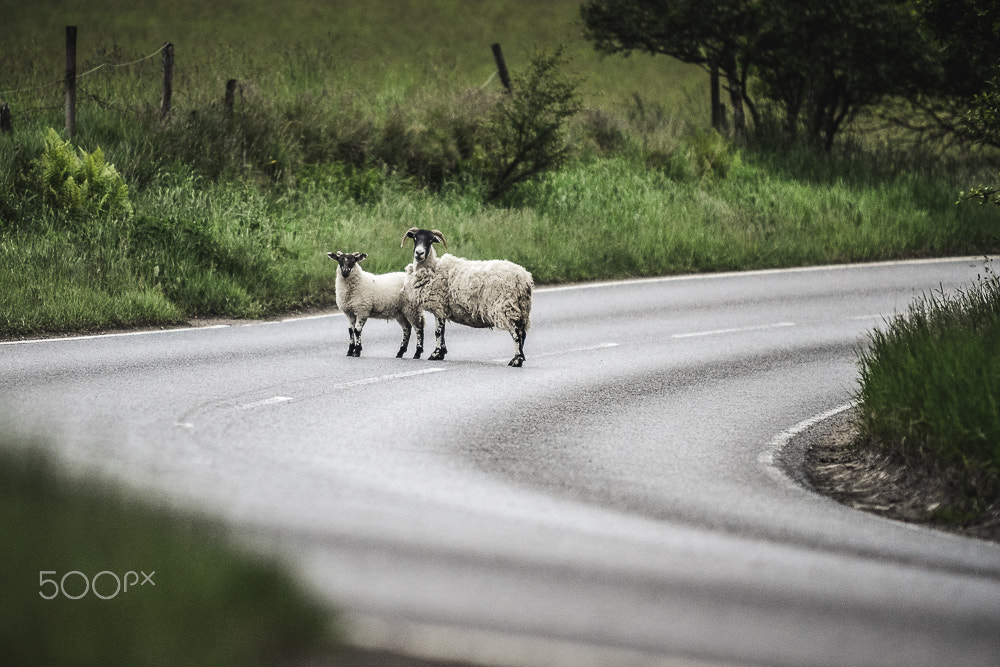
(265, 402)
(384, 378)
(275, 400)
(588, 348)
(720, 332)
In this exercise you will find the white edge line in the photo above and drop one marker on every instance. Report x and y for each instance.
(112, 335)
(718, 332)
(763, 272)
(305, 318)
(768, 457)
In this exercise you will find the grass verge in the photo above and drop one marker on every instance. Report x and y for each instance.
(930, 393)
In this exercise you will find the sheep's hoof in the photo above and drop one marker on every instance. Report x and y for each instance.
(399, 355)
(436, 355)
(516, 362)
(416, 355)
(357, 351)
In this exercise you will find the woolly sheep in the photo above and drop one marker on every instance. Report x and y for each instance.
(362, 295)
(476, 293)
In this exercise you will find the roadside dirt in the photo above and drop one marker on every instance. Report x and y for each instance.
(868, 479)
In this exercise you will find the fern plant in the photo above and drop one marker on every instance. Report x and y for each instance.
(82, 183)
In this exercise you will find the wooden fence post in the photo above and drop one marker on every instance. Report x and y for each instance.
(230, 96)
(71, 80)
(168, 79)
(6, 122)
(501, 66)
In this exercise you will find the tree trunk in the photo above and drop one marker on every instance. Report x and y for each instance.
(736, 98)
(718, 113)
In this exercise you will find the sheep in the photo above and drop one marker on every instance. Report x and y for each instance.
(362, 295)
(476, 293)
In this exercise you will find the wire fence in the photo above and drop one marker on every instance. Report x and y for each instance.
(166, 51)
(94, 70)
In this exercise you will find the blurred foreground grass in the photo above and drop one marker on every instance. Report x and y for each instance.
(192, 600)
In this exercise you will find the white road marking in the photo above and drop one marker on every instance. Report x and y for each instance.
(720, 332)
(769, 457)
(111, 335)
(385, 378)
(267, 401)
(588, 348)
(306, 318)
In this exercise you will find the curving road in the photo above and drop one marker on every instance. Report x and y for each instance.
(618, 501)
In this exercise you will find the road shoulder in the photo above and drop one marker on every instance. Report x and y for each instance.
(831, 462)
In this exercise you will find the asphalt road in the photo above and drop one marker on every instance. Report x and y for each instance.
(620, 500)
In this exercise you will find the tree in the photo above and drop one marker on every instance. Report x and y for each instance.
(982, 125)
(820, 62)
(964, 38)
(685, 30)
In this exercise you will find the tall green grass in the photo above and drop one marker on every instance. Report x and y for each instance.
(930, 388)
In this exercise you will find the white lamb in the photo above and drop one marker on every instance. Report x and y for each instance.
(476, 293)
(362, 295)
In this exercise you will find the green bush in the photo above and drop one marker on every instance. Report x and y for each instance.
(526, 132)
(930, 386)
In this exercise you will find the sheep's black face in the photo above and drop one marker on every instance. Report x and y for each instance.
(423, 241)
(346, 261)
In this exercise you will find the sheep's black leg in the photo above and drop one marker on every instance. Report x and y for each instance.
(518, 334)
(440, 350)
(420, 339)
(358, 326)
(406, 338)
(350, 348)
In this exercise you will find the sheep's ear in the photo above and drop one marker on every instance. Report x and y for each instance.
(411, 233)
(360, 256)
(334, 256)
(438, 236)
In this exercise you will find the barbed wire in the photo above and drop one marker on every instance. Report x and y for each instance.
(87, 73)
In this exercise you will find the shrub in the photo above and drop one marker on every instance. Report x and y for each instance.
(82, 183)
(526, 131)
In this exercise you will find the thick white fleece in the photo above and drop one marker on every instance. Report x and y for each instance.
(368, 295)
(476, 293)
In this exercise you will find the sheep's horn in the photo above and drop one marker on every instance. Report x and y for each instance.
(408, 234)
(440, 236)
